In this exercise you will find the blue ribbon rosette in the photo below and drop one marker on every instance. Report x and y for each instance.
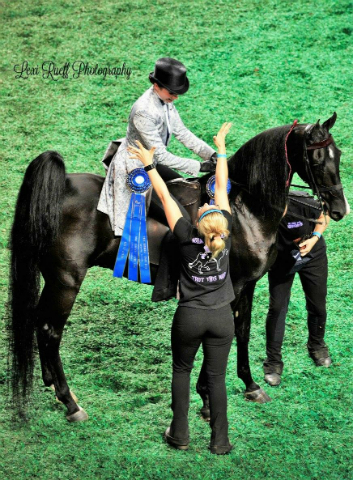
(211, 186)
(134, 242)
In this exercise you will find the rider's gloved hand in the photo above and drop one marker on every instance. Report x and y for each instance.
(208, 166)
(213, 158)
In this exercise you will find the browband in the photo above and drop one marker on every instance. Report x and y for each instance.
(322, 144)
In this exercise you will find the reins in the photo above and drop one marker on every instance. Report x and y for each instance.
(312, 183)
(285, 149)
(296, 215)
(313, 186)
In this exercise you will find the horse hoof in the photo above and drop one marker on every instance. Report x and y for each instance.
(273, 379)
(80, 416)
(205, 410)
(258, 396)
(205, 413)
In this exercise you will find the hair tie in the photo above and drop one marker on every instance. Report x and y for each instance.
(221, 235)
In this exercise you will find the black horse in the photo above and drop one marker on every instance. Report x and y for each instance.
(58, 232)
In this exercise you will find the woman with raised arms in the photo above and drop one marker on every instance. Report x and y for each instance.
(204, 315)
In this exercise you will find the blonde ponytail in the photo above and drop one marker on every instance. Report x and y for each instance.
(214, 228)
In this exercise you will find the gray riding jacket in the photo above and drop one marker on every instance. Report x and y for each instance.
(152, 122)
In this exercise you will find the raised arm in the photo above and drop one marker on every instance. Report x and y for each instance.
(221, 197)
(172, 211)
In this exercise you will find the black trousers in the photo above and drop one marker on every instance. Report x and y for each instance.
(214, 329)
(156, 209)
(313, 277)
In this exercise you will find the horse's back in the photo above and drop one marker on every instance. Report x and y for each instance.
(82, 189)
(86, 235)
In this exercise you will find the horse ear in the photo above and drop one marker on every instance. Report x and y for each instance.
(330, 122)
(312, 129)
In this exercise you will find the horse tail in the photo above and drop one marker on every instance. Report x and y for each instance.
(35, 227)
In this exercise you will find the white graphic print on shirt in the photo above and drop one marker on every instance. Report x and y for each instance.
(204, 261)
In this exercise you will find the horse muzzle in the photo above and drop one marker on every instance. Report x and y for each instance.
(337, 208)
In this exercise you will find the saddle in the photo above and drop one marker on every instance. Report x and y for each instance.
(188, 193)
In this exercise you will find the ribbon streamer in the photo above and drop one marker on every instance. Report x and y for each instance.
(211, 186)
(134, 241)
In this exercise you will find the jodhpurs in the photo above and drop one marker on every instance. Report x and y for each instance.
(214, 329)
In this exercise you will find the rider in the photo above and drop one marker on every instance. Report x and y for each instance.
(204, 314)
(308, 258)
(153, 120)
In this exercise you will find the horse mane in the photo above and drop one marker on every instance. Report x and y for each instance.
(260, 165)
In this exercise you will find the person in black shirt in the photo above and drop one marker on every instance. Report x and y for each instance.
(302, 249)
(204, 316)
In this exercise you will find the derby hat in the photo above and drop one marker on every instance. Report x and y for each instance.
(170, 74)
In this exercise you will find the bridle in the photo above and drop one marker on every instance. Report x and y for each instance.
(311, 180)
(313, 185)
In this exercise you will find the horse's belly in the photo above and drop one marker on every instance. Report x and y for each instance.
(155, 232)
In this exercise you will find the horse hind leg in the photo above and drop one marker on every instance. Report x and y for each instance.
(54, 308)
(242, 322)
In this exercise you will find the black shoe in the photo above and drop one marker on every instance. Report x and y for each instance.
(173, 442)
(273, 379)
(323, 361)
(220, 449)
(320, 356)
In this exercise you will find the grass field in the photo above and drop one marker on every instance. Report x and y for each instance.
(259, 65)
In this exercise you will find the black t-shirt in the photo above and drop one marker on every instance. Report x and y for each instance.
(292, 229)
(204, 281)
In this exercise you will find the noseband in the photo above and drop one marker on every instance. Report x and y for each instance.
(324, 143)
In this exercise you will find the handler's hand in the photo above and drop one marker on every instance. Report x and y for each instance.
(306, 246)
(219, 139)
(141, 153)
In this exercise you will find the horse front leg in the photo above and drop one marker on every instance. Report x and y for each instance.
(54, 308)
(242, 323)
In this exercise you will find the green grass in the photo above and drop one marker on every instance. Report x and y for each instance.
(259, 65)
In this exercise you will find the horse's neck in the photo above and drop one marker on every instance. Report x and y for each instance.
(295, 148)
(254, 227)
(265, 171)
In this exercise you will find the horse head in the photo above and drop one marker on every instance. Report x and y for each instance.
(320, 167)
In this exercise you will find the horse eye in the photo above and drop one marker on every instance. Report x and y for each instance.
(318, 157)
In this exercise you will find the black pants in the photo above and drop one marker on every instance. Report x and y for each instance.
(156, 209)
(214, 329)
(313, 277)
